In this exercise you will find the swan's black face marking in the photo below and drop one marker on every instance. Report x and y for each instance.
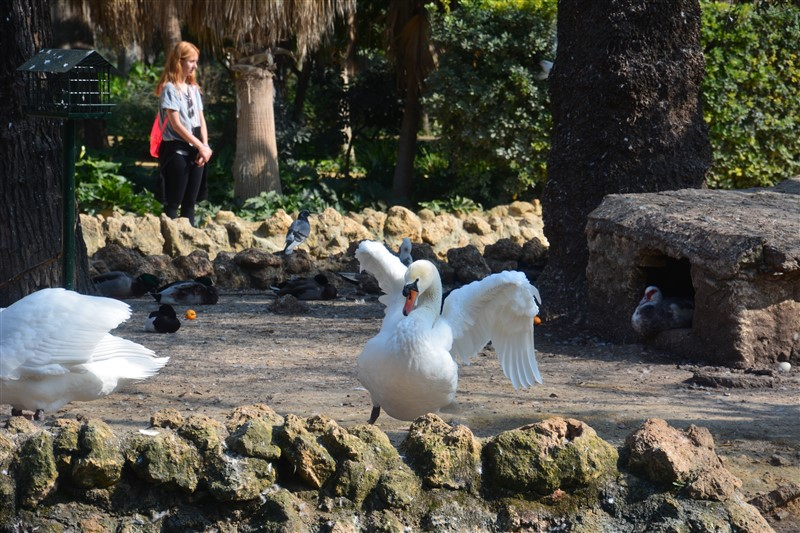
(410, 291)
(413, 286)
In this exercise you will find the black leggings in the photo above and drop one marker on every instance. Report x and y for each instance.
(182, 178)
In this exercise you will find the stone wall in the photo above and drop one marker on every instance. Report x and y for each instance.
(331, 232)
(260, 471)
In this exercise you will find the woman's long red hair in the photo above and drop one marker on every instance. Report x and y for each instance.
(172, 69)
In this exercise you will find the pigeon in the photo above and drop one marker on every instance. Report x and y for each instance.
(655, 313)
(405, 252)
(163, 321)
(298, 232)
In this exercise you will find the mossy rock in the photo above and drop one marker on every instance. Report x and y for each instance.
(311, 461)
(254, 439)
(166, 459)
(99, 460)
(65, 444)
(540, 458)
(207, 434)
(239, 479)
(443, 456)
(36, 469)
(245, 413)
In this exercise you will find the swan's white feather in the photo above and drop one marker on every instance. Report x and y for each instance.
(387, 268)
(55, 347)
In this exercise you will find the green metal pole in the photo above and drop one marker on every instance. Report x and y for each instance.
(68, 239)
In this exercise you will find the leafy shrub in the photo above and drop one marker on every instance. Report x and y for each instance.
(751, 91)
(101, 189)
(487, 99)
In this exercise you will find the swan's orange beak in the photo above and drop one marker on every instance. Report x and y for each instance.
(410, 291)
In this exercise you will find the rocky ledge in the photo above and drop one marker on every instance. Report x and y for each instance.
(260, 471)
(241, 254)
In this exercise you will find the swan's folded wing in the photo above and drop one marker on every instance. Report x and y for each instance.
(387, 268)
(54, 327)
(499, 308)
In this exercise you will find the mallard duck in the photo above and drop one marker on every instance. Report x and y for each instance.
(655, 313)
(56, 348)
(316, 288)
(192, 292)
(298, 232)
(165, 320)
(122, 285)
(410, 367)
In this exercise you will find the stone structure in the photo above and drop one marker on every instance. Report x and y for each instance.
(736, 253)
(261, 471)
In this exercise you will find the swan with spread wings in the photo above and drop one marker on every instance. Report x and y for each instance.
(410, 367)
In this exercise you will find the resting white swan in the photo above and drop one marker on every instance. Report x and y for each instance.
(410, 367)
(55, 348)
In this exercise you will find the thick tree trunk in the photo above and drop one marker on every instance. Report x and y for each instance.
(627, 117)
(255, 165)
(406, 149)
(31, 167)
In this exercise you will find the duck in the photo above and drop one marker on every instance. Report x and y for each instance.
(316, 288)
(655, 313)
(121, 285)
(298, 232)
(410, 368)
(57, 349)
(199, 291)
(164, 320)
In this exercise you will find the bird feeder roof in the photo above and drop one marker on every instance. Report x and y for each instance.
(58, 60)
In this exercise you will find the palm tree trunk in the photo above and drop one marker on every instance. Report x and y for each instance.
(255, 165)
(170, 26)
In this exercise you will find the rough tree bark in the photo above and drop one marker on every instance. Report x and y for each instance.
(255, 165)
(31, 167)
(627, 117)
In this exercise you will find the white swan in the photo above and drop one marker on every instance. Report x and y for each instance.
(410, 367)
(55, 348)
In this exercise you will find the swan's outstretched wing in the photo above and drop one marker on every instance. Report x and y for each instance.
(499, 308)
(387, 268)
(51, 330)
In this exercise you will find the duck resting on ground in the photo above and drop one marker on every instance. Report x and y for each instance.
(122, 285)
(200, 291)
(316, 288)
(56, 348)
(298, 232)
(410, 367)
(655, 313)
(164, 320)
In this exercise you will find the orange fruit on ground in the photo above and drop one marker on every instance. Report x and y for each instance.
(190, 314)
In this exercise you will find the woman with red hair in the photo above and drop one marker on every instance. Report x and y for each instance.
(184, 149)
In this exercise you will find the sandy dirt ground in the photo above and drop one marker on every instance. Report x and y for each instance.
(239, 352)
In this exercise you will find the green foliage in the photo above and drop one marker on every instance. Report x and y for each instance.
(751, 92)
(490, 108)
(100, 188)
(135, 106)
(456, 204)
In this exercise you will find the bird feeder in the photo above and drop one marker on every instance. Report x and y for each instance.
(68, 85)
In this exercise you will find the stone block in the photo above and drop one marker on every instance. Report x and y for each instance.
(736, 253)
